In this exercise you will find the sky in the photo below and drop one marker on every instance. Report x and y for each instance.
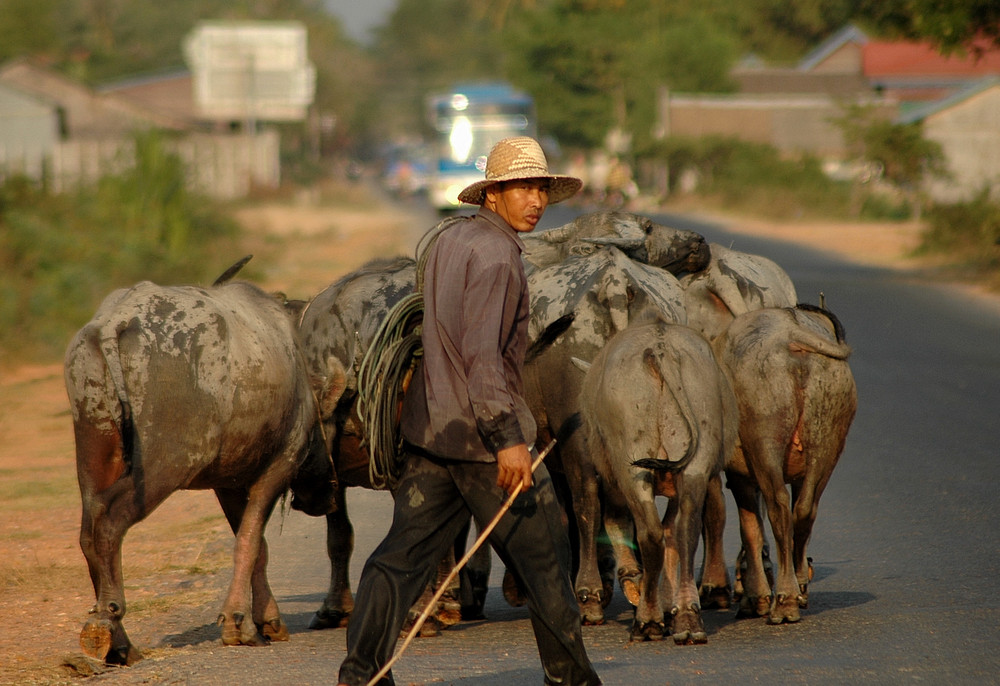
(360, 16)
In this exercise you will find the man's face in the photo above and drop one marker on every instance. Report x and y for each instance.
(520, 203)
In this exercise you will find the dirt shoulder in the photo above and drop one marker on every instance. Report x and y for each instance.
(177, 561)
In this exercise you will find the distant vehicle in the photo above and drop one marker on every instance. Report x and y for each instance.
(467, 122)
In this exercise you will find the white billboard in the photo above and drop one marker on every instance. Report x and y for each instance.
(250, 71)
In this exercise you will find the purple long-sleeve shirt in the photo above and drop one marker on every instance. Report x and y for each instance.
(466, 401)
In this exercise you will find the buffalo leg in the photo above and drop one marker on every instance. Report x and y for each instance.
(581, 478)
(110, 507)
(339, 601)
(648, 624)
(715, 588)
(687, 627)
(785, 604)
(753, 590)
(474, 578)
(249, 593)
(620, 530)
(806, 495)
(104, 523)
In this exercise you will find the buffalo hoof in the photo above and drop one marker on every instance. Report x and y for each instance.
(646, 631)
(715, 597)
(591, 607)
(753, 607)
(512, 591)
(803, 596)
(689, 638)
(95, 638)
(100, 640)
(449, 612)
(607, 591)
(236, 631)
(429, 629)
(630, 587)
(686, 627)
(607, 566)
(786, 609)
(473, 612)
(274, 630)
(329, 619)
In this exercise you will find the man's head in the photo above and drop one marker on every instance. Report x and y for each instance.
(518, 185)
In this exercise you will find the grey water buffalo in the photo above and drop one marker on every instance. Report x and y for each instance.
(640, 238)
(660, 419)
(186, 388)
(605, 290)
(731, 284)
(797, 398)
(340, 323)
(336, 328)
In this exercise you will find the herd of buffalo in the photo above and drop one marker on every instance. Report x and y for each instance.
(677, 363)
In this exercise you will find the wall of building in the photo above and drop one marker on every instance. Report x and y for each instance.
(28, 128)
(794, 124)
(969, 135)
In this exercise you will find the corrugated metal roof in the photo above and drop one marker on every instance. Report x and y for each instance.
(848, 34)
(920, 113)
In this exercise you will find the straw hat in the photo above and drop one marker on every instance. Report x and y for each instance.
(519, 158)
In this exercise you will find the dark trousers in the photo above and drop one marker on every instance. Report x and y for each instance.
(432, 503)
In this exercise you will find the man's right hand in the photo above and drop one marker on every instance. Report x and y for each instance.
(514, 467)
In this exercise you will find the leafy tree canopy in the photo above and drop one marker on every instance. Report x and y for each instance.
(952, 25)
(592, 65)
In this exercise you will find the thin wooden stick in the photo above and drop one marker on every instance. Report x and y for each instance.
(457, 568)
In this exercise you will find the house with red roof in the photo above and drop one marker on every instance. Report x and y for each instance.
(956, 97)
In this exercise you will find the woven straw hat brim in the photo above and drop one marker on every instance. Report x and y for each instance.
(560, 188)
(519, 158)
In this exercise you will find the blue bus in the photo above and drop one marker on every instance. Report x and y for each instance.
(467, 122)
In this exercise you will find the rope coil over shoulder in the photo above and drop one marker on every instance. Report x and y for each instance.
(386, 369)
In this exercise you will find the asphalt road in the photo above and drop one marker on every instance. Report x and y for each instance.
(905, 547)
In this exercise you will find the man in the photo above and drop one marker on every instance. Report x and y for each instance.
(467, 430)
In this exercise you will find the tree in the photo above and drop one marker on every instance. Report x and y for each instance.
(952, 25)
(900, 151)
(28, 27)
(597, 65)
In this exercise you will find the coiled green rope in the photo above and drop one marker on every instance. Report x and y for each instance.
(384, 372)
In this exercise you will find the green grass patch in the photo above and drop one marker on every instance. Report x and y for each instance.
(19, 494)
(61, 254)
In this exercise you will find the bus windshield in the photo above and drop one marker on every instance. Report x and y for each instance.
(467, 123)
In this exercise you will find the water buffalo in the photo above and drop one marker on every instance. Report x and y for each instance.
(660, 419)
(732, 283)
(342, 320)
(796, 397)
(336, 328)
(640, 238)
(606, 290)
(186, 388)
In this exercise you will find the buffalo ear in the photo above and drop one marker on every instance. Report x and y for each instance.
(331, 386)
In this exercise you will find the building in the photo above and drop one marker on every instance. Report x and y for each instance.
(967, 127)
(794, 108)
(29, 127)
(243, 76)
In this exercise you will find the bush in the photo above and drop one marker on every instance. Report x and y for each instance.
(754, 177)
(967, 231)
(60, 254)
(965, 227)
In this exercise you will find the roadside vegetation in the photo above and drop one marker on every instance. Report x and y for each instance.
(594, 68)
(61, 253)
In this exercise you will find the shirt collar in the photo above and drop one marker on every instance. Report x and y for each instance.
(496, 220)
